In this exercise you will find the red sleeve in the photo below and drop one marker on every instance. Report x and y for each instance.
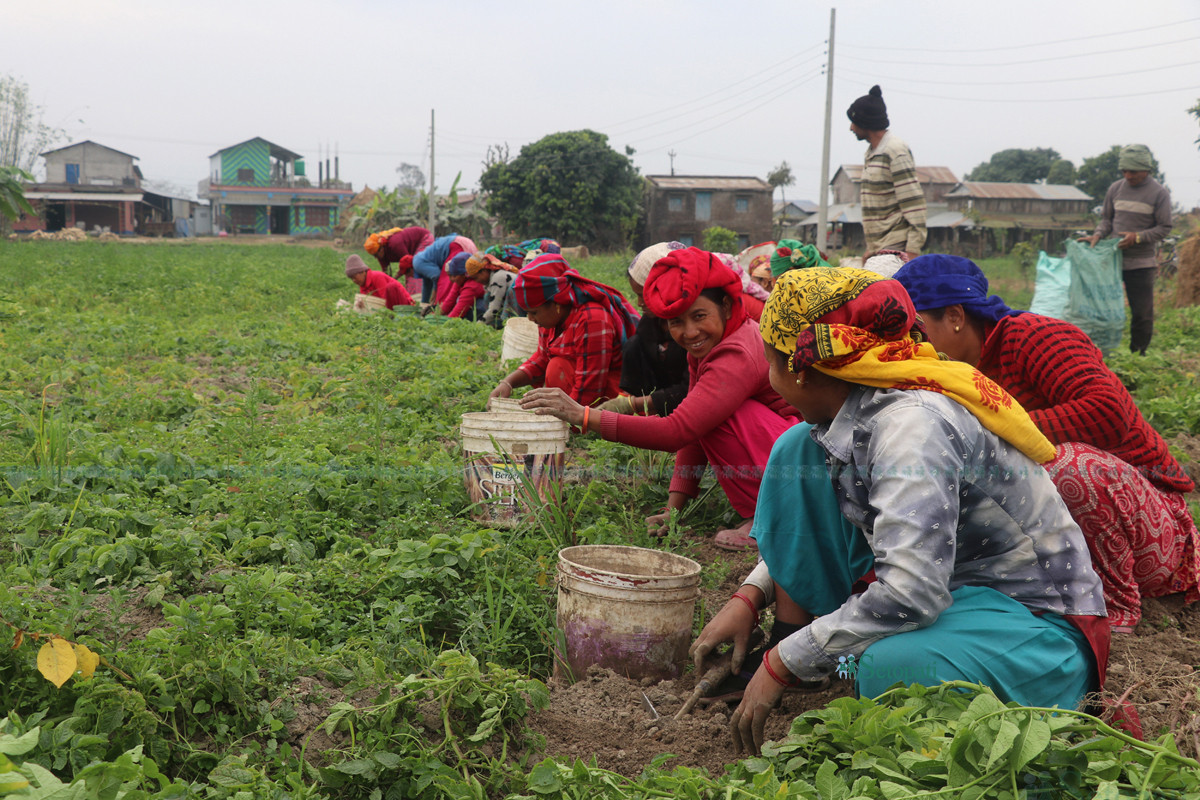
(375, 284)
(1083, 400)
(690, 463)
(449, 298)
(535, 365)
(397, 295)
(471, 291)
(718, 389)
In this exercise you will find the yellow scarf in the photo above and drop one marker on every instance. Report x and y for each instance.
(865, 337)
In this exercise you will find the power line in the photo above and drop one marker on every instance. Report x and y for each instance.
(1125, 32)
(715, 92)
(1039, 80)
(768, 101)
(959, 64)
(1045, 100)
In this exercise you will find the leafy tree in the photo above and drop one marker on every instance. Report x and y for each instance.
(572, 186)
(411, 177)
(23, 134)
(781, 177)
(1062, 173)
(720, 240)
(1097, 173)
(1195, 112)
(12, 195)
(1016, 165)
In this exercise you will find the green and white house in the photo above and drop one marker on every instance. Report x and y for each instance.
(259, 187)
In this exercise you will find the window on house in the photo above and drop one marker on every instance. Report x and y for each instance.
(741, 204)
(703, 206)
(316, 216)
(687, 240)
(246, 175)
(243, 215)
(675, 202)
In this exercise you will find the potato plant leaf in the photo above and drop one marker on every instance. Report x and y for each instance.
(56, 661)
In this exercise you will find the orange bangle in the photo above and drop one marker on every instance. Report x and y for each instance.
(586, 410)
(771, 672)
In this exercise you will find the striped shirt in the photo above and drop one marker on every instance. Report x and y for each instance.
(1144, 209)
(1053, 369)
(893, 205)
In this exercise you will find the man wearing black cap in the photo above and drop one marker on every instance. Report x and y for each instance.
(893, 205)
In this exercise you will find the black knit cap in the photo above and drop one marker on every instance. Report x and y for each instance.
(869, 111)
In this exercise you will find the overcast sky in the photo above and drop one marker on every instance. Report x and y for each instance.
(732, 88)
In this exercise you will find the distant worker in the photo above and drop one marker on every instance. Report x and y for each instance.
(397, 246)
(377, 284)
(429, 263)
(1138, 209)
(893, 205)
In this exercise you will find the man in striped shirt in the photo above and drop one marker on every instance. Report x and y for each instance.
(893, 205)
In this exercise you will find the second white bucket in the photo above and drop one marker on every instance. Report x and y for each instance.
(520, 339)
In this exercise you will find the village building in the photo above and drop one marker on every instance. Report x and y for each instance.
(681, 207)
(97, 188)
(1016, 212)
(844, 215)
(88, 186)
(788, 215)
(258, 187)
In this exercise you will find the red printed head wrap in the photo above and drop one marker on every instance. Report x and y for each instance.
(549, 279)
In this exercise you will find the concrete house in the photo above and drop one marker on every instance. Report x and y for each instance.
(258, 187)
(1015, 212)
(88, 185)
(681, 207)
(936, 182)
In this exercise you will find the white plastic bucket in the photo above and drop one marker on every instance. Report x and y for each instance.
(504, 450)
(629, 609)
(520, 339)
(368, 303)
(510, 405)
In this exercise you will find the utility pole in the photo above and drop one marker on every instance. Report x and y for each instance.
(823, 211)
(432, 217)
(671, 153)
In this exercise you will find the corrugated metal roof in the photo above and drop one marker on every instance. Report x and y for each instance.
(924, 174)
(88, 141)
(728, 183)
(948, 219)
(1029, 191)
(839, 212)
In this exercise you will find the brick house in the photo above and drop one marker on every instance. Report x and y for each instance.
(681, 207)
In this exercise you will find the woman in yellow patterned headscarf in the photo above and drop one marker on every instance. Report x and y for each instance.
(917, 476)
(853, 325)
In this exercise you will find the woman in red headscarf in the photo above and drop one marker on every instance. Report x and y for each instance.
(731, 415)
(582, 325)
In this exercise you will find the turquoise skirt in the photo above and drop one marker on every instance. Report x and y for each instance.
(816, 556)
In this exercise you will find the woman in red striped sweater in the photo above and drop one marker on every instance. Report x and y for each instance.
(1113, 470)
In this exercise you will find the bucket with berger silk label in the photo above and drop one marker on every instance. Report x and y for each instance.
(508, 455)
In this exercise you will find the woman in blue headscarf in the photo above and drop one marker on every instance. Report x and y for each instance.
(1113, 470)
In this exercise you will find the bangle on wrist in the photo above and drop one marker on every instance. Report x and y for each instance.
(746, 599)
(767, 665)
(586, 412)
(507, 383)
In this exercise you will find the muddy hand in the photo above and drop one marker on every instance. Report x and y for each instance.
(733, 623)
(750, 719)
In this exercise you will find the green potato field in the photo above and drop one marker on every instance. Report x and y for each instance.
(233, 528)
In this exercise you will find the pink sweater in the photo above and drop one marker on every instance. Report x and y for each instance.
(732, 373)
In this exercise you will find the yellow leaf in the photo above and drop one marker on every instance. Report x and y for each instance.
(56, 661)
(88, 661)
